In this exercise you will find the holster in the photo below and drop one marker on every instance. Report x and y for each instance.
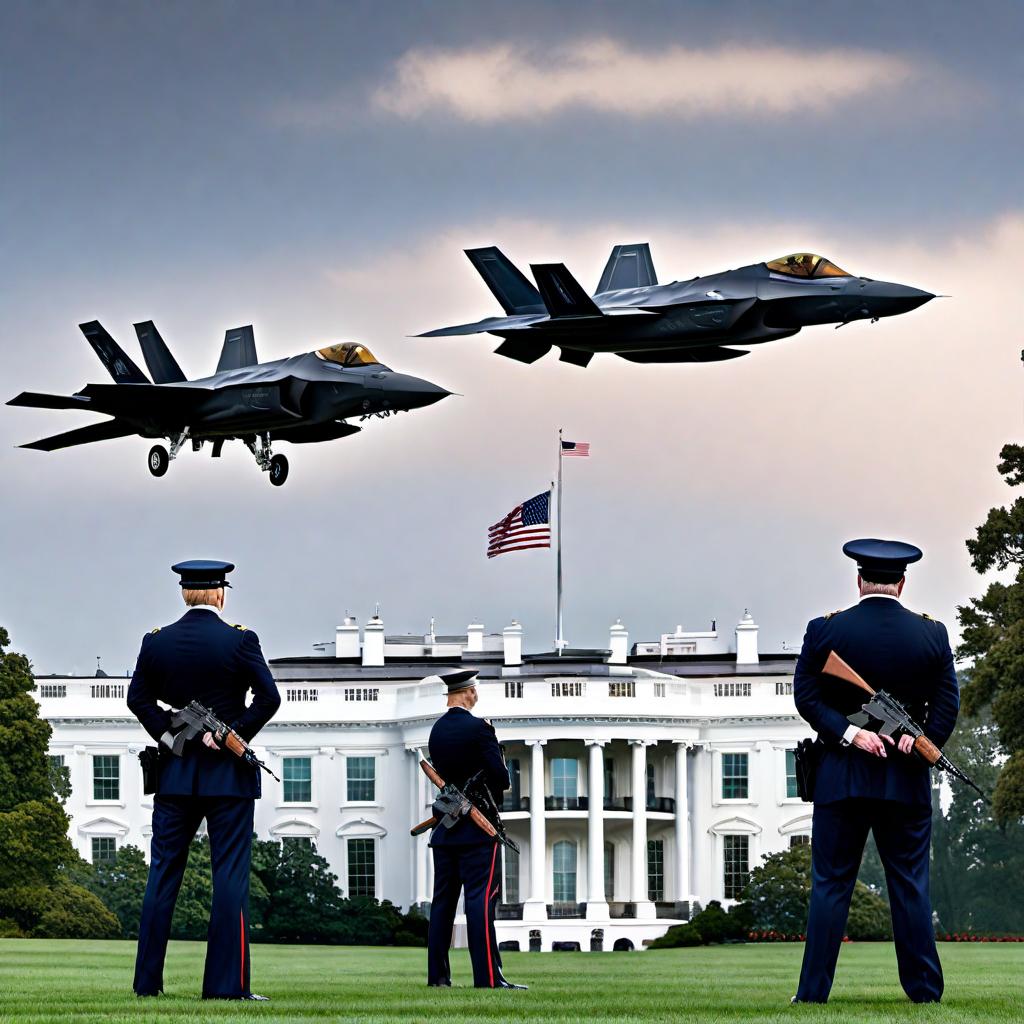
(149, 758)
(807, 758)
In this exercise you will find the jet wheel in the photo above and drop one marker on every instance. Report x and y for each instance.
(278, 470)
(159, 460)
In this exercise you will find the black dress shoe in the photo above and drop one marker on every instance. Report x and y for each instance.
(256, 999)
(508, 984)
(439, 984)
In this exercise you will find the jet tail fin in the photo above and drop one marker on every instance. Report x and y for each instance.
(563, 295)
(83, 435)
(113, 357)
(629, 266)
(507, 283)
(239, 349)
(35, 400)
(162, 365)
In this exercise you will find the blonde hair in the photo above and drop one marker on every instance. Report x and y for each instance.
(197, 597)
(886, 589)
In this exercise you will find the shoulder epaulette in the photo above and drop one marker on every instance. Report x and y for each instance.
(829, 615)
(930, 618)
(152, 631)
(238, 625)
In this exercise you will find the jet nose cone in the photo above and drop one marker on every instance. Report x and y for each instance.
(407, 392)
(885, 298)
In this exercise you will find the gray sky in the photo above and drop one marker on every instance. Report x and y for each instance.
(316, 170)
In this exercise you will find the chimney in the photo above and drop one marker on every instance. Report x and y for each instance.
(513, 637)
(619, 643)
(746, 640)
(373, 642)
(346, 639)
(475, 636)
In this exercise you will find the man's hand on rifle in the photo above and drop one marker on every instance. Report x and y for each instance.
(209, 741)
(872, 742)
(906, 743)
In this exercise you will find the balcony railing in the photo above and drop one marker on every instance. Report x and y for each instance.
(621, 910)
(565, 910)
(565, 803)
(679, 910)
(515, 803)
(662, 804)
(509, 912)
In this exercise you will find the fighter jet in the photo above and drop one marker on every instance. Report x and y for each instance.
(302, 399)
(633, 316)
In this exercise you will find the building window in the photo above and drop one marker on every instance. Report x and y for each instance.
(609, 779)
(565, 777)
(513, 689)
(791, 792)
(362, 875)
(297, 773)
(732, 689)
(736, 865)
(783, 687)
(361, 778)
(303, 694)
(799, 839)
(53, 690)
(513, 794)
(564, 864)
(659, 689)
(56, 762)
(656, 869)
(650, 785)
(622, 688)
(609, 871)
(106, 691)
(289, 843)
(361, 693)
(106, 777)
(567, 688)
(511, 886)
(104, 849)
(734, 776)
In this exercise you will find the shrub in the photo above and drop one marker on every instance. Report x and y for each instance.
(678, 935)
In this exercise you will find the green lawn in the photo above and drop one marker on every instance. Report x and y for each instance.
(91, 981)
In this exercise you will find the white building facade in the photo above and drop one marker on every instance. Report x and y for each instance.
(641, 782)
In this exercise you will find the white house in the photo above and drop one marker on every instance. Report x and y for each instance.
(641, 781)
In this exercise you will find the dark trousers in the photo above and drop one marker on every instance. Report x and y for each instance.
(902, 834)
(229, 826)
(477, 869)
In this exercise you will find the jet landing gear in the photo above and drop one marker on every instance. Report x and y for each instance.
(275, 465)
(160, 457)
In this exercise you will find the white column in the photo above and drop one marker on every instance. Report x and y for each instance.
(638, 872)
(535, 908)
(421, 852)
(597, 903)
(682, 888)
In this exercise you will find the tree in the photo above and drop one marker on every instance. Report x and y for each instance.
(976, 864)
(121, 884)
(34, 847)
(779, 892)
(993, 636)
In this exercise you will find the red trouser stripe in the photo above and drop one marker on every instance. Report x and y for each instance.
(487, 923)
(241, 946)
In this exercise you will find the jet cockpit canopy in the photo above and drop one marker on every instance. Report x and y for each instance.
(805, 264)
(347, 353)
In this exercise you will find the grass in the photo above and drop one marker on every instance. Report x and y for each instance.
(91, 981)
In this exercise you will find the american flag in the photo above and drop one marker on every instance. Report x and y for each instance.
(580, 449)
(526, 526)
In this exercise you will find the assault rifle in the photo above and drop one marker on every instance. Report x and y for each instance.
(893, 718)
(453, 803)
(194, 719)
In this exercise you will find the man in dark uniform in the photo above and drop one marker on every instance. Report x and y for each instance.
(465, 857)
(865, 780)
(201, 657)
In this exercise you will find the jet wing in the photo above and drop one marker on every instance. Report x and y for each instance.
(144, 399)
(84, 435)
(490, 325)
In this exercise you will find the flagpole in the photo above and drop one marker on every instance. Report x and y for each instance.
(559, 642)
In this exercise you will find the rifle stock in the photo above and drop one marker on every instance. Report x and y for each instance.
(474, 815)
(835, 666)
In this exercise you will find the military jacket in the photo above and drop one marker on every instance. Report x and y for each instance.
(201, 657)
(896, 650)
